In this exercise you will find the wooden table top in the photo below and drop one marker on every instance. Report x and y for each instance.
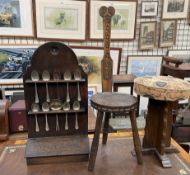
(165, 88)
(114, 158)
(111, 101)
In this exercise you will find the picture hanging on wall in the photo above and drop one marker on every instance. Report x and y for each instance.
(16, 18)
(122, 24)
(90, 60)
(144, 65)
(63, 20)
(175, 9)
(14, 61)
(183, 55)
(149, 9)
(147, 39)
(167, 33)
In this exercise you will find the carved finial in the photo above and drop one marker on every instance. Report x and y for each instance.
(106, 11)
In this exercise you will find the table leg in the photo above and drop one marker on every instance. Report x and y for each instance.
(158, 129)
(105, 128)
(136, 139)
(95, 142)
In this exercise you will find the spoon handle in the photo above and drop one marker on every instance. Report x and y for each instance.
(47, 125)
(76, 122)
(36, 94)
(67, 98)
(79, 96)
(47, 93)
(37, 125)
(57, 123)
(66, 122)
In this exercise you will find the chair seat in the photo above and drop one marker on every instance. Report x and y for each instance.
(114, 102)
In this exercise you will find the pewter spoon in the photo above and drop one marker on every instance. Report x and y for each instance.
(66, 107)
(67, 76)
(45, 108)
(46, 77)
(35, 108)
(76, 106)
(77, 76)
(35, 77)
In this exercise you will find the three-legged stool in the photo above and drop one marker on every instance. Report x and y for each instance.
(116, 103)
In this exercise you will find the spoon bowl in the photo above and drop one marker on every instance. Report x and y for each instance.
(76, 106)
(66, 106)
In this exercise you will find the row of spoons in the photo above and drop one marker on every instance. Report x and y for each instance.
(56, 77)
(45, 107)
(37, 128)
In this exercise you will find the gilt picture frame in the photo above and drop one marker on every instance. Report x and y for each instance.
(147, 39)
(123, 22)
(144, 65)
(149, 9)
(175, 9)
(61, 20)
(90, 60)
(168, 33)
(16, 18)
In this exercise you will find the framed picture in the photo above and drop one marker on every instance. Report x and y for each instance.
(90, 60)
(61, 19)
(183, 55)
(175, 9)
(16, 18)
(144, 65)
(147, 39)
(149, 9)
(167, 33)
(122, 24)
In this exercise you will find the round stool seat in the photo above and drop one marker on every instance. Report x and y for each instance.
(113, 102)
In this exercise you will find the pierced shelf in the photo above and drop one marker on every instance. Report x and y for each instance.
(55, 81)
(56, 112)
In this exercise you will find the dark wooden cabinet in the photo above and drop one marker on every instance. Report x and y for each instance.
(17, 117)
(66, 144)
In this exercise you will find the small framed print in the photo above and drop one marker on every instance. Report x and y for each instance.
(61, 20)
(144, 65)
(147, 39)
(122, 24)
(175, 9)
(149, 9)
(167, 33)
(16, 18)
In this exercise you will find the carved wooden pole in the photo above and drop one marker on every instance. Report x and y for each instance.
(106, 64)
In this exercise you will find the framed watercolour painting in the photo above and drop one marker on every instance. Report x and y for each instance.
(90, 60)
(61, 19)
(183, 55)
(122, 24)
(144, 65)
(175, 9)
(147, 39)
(16, 18)
(149, 9)
(167, 33)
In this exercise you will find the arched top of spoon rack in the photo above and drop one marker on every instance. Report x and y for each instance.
(54, 56)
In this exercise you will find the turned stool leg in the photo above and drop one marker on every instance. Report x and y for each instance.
(95, 142)
(136, 139)
(105, 128)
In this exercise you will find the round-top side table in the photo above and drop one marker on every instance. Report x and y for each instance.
(162, 91)
(114, 103)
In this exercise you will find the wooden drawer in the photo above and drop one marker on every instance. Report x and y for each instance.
(17, 117)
